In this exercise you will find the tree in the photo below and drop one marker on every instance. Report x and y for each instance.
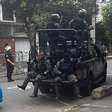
(100, 33)
(107, 20)
(37, 12)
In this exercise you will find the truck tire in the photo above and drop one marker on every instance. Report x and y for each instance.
(87, 88)
(104, 74)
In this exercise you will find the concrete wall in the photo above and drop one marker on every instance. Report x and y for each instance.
(22, 47)
(22, 44)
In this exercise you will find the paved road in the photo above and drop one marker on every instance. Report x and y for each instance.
(17, 100)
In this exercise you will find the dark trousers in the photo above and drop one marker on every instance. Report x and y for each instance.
(35, 91)
(10, 69)
(36, 84)
(30, 75)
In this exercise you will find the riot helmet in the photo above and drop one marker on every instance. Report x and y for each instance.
(82, 13)
(55, 17)
(8, 48)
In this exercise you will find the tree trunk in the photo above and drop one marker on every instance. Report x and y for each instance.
(30, 31)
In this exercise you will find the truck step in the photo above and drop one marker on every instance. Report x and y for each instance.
(101, 92)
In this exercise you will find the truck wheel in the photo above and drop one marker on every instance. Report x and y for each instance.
(104, 75)
(88, 86)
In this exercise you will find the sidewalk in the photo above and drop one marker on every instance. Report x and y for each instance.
(14, 76)
(103, 105)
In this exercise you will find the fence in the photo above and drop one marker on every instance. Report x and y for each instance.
(21, 59)
(21, 56)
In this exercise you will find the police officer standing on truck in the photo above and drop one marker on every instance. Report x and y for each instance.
(9, 62)
(54, 23)
(80, 25)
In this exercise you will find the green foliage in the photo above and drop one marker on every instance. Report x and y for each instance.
(101, 33)
(89, 5)
(40, 20)
(36, 10)
(107, 20)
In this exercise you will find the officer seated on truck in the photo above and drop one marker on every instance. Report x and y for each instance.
(31, 74)
(64, 71)
(39, 66)
(44, 71)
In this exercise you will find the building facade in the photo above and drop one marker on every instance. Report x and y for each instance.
(12, 32)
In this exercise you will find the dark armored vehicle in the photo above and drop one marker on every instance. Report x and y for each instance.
(90, 64)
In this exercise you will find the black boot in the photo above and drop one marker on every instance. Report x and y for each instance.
(10, 80)
(34, 95)
(23, 86)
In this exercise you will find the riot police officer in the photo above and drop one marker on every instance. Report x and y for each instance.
(44, 72)
(39, 71)
(31, 74)
(80, 24)
(64, 70)
(9, 62)
(64, 67)
(53, 36)
(54, 21)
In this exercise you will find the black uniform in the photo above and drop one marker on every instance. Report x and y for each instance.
(54, 23)
(81, 27)
(10, 67)
(53, 35)
(31, 75)
(64, 70)
(43, 73)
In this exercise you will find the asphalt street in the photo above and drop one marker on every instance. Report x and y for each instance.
(16, 100)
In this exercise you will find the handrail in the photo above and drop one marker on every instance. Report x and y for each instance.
(61, 29)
